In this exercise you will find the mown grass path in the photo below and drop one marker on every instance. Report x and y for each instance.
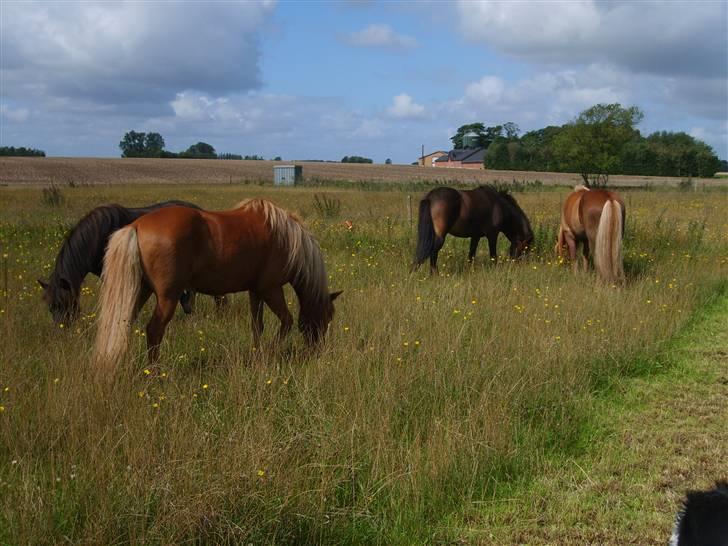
(654, 438)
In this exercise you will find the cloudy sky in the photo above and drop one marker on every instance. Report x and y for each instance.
(320, 80)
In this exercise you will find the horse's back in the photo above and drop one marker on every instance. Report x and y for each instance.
(170, 240)
(443, 193)
(597, 198)
(592, 202)
(582, 209)
(209, 252)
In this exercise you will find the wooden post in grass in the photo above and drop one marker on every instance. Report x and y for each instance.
(5, 275)
(409, 209)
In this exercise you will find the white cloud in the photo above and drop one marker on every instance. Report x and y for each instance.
(403, 107)
(17, 115)
(665, 38)
(368, 129)
(525, 26)
(488, 90)
(379, 36)
(544, 98)
(115, 53)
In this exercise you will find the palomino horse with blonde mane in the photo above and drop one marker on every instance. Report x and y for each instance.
(256, 247)
(596, 219)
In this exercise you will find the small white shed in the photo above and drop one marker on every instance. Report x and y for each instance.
(287, 175)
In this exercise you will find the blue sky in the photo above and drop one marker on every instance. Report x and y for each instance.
(320, 80)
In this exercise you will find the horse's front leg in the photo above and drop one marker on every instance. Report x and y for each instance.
(493, 247)
(256, 317)
(473, 248)
(187, 301)
(276, 300)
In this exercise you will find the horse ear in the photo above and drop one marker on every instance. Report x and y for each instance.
(335, 295)
(43, 284)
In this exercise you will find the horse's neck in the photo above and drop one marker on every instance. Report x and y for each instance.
(307, 300)
(73, 270)
(83, 250)
(514, 220)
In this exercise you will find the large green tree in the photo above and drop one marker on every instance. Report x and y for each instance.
(153, 145)
(136, 144)
(201, 150)
(592, 144)
(132, 145)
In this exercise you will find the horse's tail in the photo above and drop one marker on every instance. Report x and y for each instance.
(425, 234)
(608, 244)
(120, 289)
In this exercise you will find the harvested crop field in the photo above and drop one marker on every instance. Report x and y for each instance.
(84, 171)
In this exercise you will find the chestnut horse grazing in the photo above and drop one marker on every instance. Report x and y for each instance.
(596, 219)
(256, 247)
(482, 212)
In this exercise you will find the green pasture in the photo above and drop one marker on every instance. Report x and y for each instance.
(430, 396)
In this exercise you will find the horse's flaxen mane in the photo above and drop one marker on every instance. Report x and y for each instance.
(581, 187)
(305, 262)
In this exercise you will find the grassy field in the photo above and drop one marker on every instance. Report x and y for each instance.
(620, 487)
(430, 397)
(84, 171)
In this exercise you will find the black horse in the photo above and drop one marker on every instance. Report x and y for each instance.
(482, 212)
(703, 519)
(83, 252)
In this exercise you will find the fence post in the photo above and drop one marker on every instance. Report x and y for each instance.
(409, 209)
(5, 276)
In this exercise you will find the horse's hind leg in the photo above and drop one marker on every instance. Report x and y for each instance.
(163, 313)
(441, 228)
(439, 241)
(585, 255)
(143, 297)
(473, 248)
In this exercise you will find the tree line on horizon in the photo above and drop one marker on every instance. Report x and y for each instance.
(602, 140)
(137, 144)
(22, 151)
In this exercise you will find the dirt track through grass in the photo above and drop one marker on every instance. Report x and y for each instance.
(653, 439)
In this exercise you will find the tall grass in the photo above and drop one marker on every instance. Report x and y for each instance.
(429, 393)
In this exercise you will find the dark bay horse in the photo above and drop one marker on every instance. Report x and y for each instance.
(596, 219)
(256, 247)
(482, 212)
(83, 253)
